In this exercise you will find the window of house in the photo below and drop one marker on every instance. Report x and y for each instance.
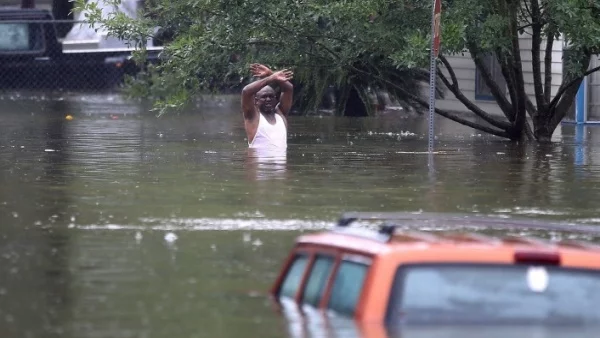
(482, 91)
(317, 280)
(293, 278)
(347, 287)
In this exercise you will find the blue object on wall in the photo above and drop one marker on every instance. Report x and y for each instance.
(581, 103)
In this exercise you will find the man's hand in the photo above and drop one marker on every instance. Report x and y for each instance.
(259, 70)
(282, 75)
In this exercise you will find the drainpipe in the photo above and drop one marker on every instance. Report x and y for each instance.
(27, 3)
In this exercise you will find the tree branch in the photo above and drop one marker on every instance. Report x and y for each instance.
(530, 107)
(548, 67)
(517, 69)
(464, 100)
(441, 112)
(527, 9)
(529, 131)
(564, 87)
(455, 118)
(510, 81)
(557, 114)
(499, 96)
(520, 28)
(536, 41)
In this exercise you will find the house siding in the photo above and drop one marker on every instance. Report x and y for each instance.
(464, 68)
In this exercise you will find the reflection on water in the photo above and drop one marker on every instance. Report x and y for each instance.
(266, 164)
(86, 206)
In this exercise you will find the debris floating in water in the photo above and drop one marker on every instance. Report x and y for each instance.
(170, 237)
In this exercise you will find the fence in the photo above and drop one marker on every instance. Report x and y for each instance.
(35, 55)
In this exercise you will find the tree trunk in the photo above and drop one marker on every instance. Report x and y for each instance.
(61, 9)
(516, 133)
(355, 107)
(541, 128)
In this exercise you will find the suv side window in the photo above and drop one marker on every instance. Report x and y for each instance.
(347, 287)
(293, 278)
(319, 275)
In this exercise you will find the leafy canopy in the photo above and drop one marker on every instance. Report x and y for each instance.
(365, 44)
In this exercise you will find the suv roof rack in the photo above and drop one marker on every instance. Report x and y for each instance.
(393, 220)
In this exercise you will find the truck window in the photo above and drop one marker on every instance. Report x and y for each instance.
(19, 37)
(494, 294)
(347, 287)
(319, 274)
(293, 278)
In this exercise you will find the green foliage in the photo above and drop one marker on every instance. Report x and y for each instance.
(364, 44)
(487, 24)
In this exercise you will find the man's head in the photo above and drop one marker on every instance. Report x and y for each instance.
(265, 100)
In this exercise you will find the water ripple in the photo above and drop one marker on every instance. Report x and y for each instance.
(222, 224)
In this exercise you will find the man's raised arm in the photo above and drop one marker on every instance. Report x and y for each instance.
(248, 96)
(267, 76)
(287, 95)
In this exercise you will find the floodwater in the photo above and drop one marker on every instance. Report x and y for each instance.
(120, 224)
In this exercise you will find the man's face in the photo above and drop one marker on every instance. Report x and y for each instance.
(265, 100)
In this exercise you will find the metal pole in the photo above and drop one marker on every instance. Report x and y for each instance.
(435, 33)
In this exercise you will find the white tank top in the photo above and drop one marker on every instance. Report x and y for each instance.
(273, 136)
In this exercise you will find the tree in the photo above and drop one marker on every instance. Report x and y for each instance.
(362, 45)
(494, 27)
(354, 46)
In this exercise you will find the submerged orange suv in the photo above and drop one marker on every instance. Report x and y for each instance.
(450, 274)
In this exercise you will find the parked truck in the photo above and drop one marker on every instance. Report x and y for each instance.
(32, 56)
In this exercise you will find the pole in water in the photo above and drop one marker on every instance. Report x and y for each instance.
(436, 17)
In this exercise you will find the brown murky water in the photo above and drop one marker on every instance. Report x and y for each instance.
(119, 224)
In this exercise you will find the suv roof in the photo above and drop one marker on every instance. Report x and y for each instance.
(451, 237)
(400, 229)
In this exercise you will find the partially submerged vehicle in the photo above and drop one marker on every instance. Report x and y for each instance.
(424, 270)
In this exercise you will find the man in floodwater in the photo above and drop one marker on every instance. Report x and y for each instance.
(264, 113)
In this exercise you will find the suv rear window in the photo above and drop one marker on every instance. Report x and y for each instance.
(494, 294)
